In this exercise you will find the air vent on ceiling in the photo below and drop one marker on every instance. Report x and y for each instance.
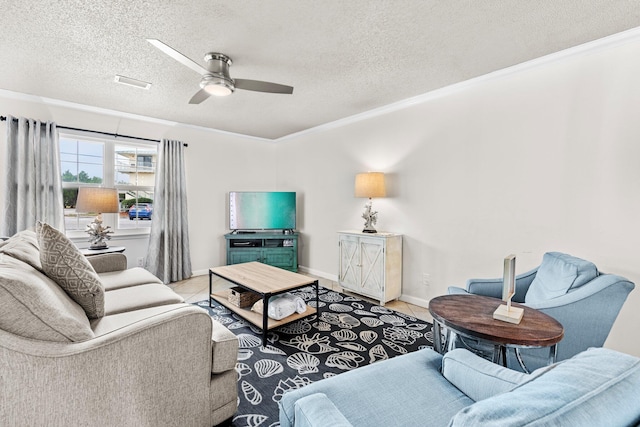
(132, 82)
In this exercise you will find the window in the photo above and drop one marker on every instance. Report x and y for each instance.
(127, 166)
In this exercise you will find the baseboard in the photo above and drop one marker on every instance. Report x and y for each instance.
(420, 302)
(318, 273)
(199, 272)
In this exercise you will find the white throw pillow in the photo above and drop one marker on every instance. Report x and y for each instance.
(24, 247)
(34, 306)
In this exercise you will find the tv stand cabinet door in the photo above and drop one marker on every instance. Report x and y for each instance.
(238, 256)
(280, 257)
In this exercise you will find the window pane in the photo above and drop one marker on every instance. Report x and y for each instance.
(69, 171)
(137, 209)
(72, 219)
(69, 197)
(82, 161)
(135, 165)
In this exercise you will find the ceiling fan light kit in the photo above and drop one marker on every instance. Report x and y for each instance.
(215, 78)
(217, 85)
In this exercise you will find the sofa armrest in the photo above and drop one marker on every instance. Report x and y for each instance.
(477, 377)
(108, 262)
(224, 343)
(163, 360)
(602, 298)
(316, 410)
(224, 352)
(493, 287)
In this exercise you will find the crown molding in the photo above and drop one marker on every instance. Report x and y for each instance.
(19, 96)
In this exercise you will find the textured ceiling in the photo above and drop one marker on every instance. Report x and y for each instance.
(342, 57)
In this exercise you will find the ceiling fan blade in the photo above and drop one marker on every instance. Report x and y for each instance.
(200, 96)
(178, 56)
(258, 86)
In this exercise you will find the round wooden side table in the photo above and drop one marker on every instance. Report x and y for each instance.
(472, 316)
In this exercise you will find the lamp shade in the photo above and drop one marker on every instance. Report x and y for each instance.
(370, 184)
(97, 200)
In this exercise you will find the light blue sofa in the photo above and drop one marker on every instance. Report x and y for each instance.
(597, 387)
(572, 290)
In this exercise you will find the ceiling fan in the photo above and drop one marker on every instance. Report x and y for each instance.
(215, 77)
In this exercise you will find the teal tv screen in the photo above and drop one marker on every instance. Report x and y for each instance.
(262, 210)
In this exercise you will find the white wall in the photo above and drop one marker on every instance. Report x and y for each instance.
(216, 163)
(546, 159)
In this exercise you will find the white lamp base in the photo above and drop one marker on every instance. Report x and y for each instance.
(96, 246)
(370, 216)
(98, 234)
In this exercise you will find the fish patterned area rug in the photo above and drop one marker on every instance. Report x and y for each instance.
(351, 333)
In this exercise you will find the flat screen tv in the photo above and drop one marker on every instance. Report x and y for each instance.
(262, 210)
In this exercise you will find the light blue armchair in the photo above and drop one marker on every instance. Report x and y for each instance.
(569, 289)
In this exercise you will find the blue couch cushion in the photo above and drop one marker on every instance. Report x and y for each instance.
(558, 274)
(317, 410)
(406, 390)
(476, 377)
(597, 387)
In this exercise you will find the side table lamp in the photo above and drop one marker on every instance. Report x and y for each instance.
(370, 184)
(97, 200)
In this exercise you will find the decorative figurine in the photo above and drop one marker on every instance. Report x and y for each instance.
(370, 218)
(98, 233)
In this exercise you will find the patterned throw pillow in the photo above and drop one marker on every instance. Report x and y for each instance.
(64, 263)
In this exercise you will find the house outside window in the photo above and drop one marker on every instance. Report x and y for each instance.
(145, 161)
(127, 166)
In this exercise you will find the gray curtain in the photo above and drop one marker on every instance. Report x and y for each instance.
(33, 186)
(169, 257)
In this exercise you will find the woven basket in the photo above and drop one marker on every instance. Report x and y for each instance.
(242, 297)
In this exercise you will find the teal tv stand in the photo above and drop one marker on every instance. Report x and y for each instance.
(273, 248)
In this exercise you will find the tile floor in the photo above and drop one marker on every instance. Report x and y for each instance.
(197, 289)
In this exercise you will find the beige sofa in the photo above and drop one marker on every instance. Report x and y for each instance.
(147, 359)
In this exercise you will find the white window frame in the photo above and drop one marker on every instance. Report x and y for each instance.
(109, 143)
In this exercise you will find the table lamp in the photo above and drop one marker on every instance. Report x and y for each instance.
(370, 184)
(97, 200)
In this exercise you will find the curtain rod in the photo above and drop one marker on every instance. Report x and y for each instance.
(4, 119)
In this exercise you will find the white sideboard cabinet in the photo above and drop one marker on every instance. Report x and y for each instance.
(371, 264)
